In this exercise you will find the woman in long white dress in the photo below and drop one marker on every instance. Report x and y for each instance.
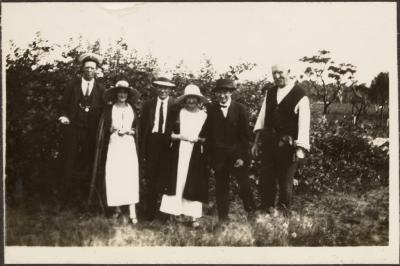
(187, 187)
(116, 133)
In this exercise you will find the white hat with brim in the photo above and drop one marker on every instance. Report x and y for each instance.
(162, 81)
(90, 57)
(122, 84)
(192, 90)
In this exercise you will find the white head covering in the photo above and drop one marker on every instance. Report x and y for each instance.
(192, 90)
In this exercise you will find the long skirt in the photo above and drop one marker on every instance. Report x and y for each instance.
(176, 204)
(122, 171)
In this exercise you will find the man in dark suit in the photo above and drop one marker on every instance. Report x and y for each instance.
(82, 105)
(228, 140)
(153, 143)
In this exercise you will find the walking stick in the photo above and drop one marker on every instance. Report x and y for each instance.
(99, 141)
(100, 201)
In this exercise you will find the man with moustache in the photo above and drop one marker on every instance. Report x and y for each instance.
(227, 139)
(153, 143)
(81, 107)
(283, 127)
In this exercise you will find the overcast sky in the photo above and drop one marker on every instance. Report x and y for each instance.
(229, 33)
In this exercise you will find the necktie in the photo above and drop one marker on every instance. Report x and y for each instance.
(87, 90)
(161, 118)
(223, 106)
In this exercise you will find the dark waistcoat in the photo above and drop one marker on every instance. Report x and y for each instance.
(84, 110)
(280, 119)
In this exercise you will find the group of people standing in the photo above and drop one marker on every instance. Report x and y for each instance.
(175, 141)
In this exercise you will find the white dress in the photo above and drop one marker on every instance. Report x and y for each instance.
(122, 170)
(190, 125)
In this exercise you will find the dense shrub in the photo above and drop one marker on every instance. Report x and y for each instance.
(340, 157)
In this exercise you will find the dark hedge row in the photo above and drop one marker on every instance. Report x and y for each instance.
(340, 157)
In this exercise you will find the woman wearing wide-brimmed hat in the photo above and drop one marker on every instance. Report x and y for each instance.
(187, 186)
(116, 149)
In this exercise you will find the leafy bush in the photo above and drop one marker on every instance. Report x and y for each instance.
(340, 157)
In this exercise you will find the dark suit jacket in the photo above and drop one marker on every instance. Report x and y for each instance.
(230, 134)
(72, 94)
(146, 123)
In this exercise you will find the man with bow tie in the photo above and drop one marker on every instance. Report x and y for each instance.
(283, 127)
(228, 141)
(154, 137)
(81, 107)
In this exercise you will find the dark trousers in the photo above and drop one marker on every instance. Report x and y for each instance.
(278, 170)
(223, 167)
(78, 161)
(155, 172)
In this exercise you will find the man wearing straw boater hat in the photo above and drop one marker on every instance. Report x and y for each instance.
(228, 138)
(153, 143)
(82, 105)
(284, 121)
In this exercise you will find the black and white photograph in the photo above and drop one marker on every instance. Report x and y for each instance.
(200, 132)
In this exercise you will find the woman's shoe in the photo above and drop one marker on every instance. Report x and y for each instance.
(117, 213)
(133, 221)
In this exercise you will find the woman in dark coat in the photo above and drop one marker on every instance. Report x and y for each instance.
(187, 187)
(116, 154)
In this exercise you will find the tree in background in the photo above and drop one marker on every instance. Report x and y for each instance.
(37, 75)
(343, 74)
(326, 80)
(35, 82)
(235, 71)
(379, 93)
(31, 113)
(359, 101)
(204, 79)
(36, 79)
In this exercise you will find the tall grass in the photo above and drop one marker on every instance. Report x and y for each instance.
(325, 220)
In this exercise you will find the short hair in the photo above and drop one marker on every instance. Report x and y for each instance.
(280, 67)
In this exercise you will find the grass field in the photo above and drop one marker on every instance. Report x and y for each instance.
(329, 219)
(343, 110)
(334, 219)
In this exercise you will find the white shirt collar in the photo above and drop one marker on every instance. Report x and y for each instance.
(282, 92)
(164, 101)
(87, 81)
(287, 87)
(85, 84)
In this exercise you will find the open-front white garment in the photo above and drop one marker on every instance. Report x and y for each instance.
(190, 126)
(122, 170)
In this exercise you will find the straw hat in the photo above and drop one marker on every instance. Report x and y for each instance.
(192, 90)
(122, 84)
(90, 57)
(162, 81)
